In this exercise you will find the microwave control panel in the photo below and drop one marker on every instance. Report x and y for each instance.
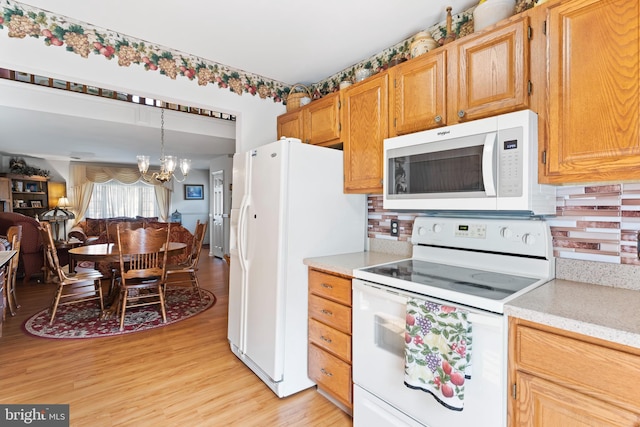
(510, 157)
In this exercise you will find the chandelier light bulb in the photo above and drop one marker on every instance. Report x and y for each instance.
(185, 166)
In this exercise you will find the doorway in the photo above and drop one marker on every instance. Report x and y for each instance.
(217, 210)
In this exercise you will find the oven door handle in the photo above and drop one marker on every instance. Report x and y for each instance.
(380, 293)
(491, 320)
(474, 317)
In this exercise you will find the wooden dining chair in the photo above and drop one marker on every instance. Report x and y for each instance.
(72, 288)
(143, 262)
(186, 273)
(14, 236)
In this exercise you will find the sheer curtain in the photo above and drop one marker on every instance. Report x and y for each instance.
(83, 177)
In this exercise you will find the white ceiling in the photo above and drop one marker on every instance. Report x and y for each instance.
(287, 40)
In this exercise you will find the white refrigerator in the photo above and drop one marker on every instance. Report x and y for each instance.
(287, 205)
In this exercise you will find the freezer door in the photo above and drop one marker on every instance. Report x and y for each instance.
(265, 308)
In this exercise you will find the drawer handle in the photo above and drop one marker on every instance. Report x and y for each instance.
(325, 339)
(327, 373)
(324, 285)
(327, 312)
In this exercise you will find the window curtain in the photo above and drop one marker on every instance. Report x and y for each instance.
(84, 176)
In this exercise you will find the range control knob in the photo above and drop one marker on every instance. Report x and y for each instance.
(422, 231)
(506, 232)
(528, 239)
(436, 228)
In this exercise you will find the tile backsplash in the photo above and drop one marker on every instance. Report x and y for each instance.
(592, 222)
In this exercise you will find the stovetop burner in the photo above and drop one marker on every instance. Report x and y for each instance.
(492, 285)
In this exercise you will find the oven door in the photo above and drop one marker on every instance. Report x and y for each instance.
(379, 315)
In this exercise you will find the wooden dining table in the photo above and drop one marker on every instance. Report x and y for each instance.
(108, 252)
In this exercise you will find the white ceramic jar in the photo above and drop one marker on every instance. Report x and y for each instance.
(422, 42)
(492, 11)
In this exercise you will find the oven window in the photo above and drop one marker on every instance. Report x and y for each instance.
(449, 171)
(389, 333)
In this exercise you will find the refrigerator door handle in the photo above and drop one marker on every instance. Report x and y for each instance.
(242, 234)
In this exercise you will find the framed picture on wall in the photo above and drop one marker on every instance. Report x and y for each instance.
(193, 191)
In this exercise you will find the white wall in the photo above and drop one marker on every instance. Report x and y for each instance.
(191, 210)
(256, 117)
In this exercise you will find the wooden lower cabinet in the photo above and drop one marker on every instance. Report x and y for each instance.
(560, 378)
(330, 335)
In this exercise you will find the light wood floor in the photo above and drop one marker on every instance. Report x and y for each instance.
(180, 375)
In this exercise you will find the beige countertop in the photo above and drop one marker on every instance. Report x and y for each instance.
(345, 263)
(604, 312)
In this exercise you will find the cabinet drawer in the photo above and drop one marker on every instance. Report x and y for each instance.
(331, 374)
(592, 369)
(330, 313)
(335, 288)
(330, 339)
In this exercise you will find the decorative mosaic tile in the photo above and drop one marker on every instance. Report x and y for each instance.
(593, 223)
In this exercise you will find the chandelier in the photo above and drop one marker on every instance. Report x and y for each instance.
(167, 163)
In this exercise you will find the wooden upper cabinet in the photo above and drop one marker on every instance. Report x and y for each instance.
(365, 124)
(594, 91)
(490, 72)
(290, 125)
(321, 121)
(417, 97)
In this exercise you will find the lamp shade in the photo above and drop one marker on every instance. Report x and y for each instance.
(63, 202)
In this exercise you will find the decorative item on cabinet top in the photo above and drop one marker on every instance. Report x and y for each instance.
(422, 43)
(298, 99)
(488, 12)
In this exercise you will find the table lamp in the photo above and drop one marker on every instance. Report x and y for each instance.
(59, 214)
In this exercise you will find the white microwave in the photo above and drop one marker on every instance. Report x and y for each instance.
(484, 165)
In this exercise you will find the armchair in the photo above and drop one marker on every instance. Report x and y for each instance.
(31, 253)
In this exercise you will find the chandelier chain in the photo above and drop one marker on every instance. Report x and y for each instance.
(167, 163)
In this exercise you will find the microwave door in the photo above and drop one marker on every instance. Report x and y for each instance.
(489, 172)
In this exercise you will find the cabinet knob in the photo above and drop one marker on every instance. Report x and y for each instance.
(325, 339)
(327, 312)
(438, 119)
(326, 286)
(461, 113)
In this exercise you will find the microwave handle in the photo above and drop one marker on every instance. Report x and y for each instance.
(488, 156)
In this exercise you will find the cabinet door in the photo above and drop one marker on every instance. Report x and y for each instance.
(594, 91)
(418, 93)
(492, 72)
(542, 403)
(365, 124)
(321, 121)
(290, 124)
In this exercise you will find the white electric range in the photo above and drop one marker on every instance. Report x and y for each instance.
(473, 264)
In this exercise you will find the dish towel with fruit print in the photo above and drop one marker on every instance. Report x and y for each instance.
(437, 351)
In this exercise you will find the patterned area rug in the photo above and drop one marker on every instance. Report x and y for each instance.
(82, 320)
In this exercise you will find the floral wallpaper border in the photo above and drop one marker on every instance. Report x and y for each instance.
(84, 39)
